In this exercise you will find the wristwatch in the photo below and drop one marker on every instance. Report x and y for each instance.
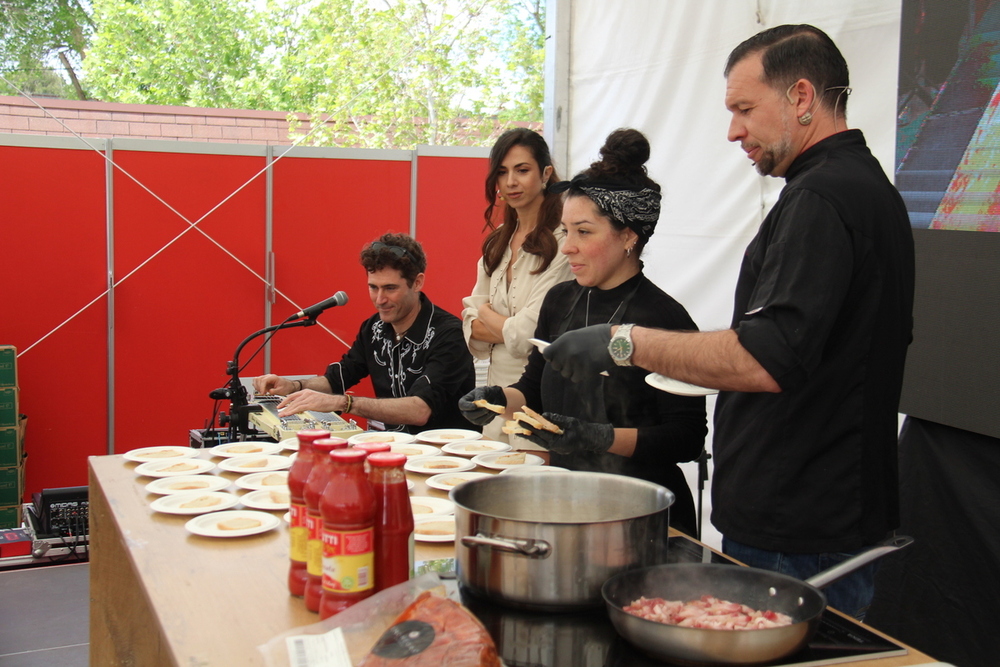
(620, 348)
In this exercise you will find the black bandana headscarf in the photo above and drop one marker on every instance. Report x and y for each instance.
(639, 210)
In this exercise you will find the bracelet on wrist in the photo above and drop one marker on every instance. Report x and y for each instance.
(299, 383)
(350, 402)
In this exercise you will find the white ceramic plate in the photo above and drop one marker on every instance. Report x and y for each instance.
(166, 486)
(438, 529)
(165, 453)
(290, 443)
(262, 500)
(474, 447)
(672, 386)
(287, 517)
(412, 449)
(442, 436)
(207, 525)
(255, 481)
(392, 437)
(450, 480)
(232, 449)
(434, 465)
(429, 505)
(272, 462)
(410, 485)
(494, 460)
(174, 503)
(526, 469)
(164, 468)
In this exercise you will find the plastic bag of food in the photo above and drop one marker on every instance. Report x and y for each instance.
(361, 626)
(434, 631)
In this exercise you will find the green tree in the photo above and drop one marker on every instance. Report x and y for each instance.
(36, 32)
(393, 73)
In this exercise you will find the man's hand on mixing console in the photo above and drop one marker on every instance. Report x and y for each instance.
(273, 385)
(309, 399)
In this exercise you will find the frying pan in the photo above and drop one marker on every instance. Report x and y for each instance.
(756, 588)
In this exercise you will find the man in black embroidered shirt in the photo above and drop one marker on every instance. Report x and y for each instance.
(811, 369)
(413, 350)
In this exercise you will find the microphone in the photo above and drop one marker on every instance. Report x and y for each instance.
(312, 312)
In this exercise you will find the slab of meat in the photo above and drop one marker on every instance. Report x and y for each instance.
(708, 612)
(434, 632)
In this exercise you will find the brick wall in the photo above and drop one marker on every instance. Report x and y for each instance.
(20, 115)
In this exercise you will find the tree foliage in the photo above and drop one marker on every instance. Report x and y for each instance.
(376, 73)
(36, 34)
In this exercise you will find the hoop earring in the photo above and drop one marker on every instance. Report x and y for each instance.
(628, 251)
(500, 196)
(806, 118)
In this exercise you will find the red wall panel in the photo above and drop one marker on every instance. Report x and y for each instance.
(326, 210)
(450, 225)
(52, 234)
(181, 314)
(181, 303)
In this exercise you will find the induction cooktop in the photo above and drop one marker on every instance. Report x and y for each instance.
(587, 639)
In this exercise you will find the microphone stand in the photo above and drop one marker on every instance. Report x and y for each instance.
(240, 406)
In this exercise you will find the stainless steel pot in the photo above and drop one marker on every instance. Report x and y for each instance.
(550, 541)
(759, 589)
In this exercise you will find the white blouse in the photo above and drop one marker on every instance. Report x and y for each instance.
(519, 302)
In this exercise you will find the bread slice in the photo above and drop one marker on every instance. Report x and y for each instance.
(513, 428)
(514, 458)
(256, 463)
(244, 449)
(180, 467)
(188, 486)
(274, 479)
(278, 497)
(483, 403)
(161, 454)
(202, 501)
(541, 421)
(238, 523)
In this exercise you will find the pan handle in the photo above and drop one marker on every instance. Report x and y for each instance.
(530, 548)
(827, 577)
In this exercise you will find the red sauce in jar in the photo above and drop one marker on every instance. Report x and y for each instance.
(315, 485)
(297, 476)
(348, 510)
(393, 520)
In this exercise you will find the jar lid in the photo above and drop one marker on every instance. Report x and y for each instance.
(373, 447)
(387, 459)
(348, 455)
(329, 444)
(311, 434)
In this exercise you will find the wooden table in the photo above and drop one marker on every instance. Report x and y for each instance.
(162, 596)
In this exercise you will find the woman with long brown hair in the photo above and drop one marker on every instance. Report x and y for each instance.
(521, 258)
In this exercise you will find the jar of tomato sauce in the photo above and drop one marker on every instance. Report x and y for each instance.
(315, 485)
(297, 476)
(393, 520)
(348, 509)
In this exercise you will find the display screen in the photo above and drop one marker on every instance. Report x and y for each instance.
(948, 172)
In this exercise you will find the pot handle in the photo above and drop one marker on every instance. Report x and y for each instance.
(827, 577)
(530, 548)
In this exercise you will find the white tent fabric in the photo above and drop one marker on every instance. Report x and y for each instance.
(656, 65)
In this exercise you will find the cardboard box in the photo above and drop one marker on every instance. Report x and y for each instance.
(8, 366)
(11, 486)
(8, 406)
(10, 516)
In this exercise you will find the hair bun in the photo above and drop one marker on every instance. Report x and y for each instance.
(625, 149)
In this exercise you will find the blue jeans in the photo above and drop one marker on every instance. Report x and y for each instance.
(852, 595)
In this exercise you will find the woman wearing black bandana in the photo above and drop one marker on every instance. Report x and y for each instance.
(617, 423)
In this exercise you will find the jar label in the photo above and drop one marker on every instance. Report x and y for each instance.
(298, 531)
(348, 560)
(314, 545)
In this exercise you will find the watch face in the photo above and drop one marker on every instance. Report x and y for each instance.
(621, 348)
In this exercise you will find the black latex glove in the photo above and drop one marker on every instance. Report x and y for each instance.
(477, 415)
(581, 354)
(577, 436)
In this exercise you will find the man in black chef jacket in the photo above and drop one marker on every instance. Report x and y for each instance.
(413, 350)
(811, 370)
